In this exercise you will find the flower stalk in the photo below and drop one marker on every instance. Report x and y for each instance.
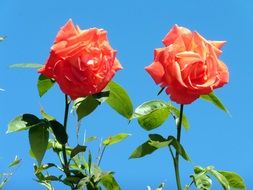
(176, 158)
(64, 153)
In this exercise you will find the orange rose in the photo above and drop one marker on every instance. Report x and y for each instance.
(81, 61)
(188, 66)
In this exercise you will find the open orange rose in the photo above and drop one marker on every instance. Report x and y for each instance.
(188, 66)
(81, 61)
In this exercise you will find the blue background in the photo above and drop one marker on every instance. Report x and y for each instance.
(134, 28)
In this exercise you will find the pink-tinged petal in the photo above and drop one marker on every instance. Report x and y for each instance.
(223, 74)
(211, 62)
(204, 88)
(48, 68)
(187, 38)
(66, 79)
(173, 34)
(181, 95)
(158, 52)
(59, 46)
(69, 50)
(102, 36)
(174, 71)
(156, 71)
(178, 45)
(198, 45)
(218, 44)
(186, 58)
(86, 37)
(117, 66)
(78, 30)
(66, 31)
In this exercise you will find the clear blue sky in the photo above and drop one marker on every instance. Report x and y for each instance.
(134, 28)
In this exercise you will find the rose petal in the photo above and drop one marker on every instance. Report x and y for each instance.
(173, 34)
(156, 71)
(174, 71)
(66, 31)
(223, 74)
(86, 37)
(198, 45)
(179, 95)
(187, 57)
(218, 44)
(117, 66)
(48, 68)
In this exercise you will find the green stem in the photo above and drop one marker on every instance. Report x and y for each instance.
(102, 154)
(65, 160)
(191, 184)
(176, 159)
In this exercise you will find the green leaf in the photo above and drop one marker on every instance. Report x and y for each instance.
(102, 96)
(44, 167)
(198, 169)
(82, 183)
(89, 161)
(119, 100)
(155, 142)
(154, 119)
(86, 106)
(46, 184)
(57, 147)
(234, 180)
(158, 141)
(24, 122)
(152, 114)
(212, 98)
(2, 184)
(202, 181)
(44, 84)
(46, 115)
(38, 173)
(148, 107)
(109, 182)
(49, 145)
(27, 65)
(96, 172)
(158, 144)
(222, 180)
(115, 139)
(15, 162)
(38, 138)
(51, 178)
(156, 137)
(89, 139)
(77, 150)
(179, 148)
(143, 150)
(59, 132)
(72, 179)
(176, 113)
